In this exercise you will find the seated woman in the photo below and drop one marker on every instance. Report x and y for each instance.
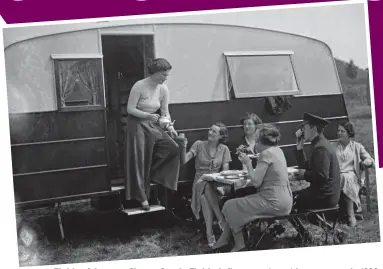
(249, 124)
(274, 197)
(210, 157)
(350, 155)
(247, 145)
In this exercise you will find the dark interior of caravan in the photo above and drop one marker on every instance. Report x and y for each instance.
(125, 58)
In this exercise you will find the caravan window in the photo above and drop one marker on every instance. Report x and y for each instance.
(79, 82)
(257, 74)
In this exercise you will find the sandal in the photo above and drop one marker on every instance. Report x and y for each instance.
(221, 224)
(211, 240)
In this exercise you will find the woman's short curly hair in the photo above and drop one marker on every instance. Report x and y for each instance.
(268, 134)
(349, 127)
(223, 131)
(251, 116)
(158, 65)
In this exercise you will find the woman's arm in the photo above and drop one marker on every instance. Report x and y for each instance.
(188, 156)
(165, 109)
(365, 156)
(192, 152)
(225, 166)
(226, 158)
(165, 102)
(257, 174)
(134, 96)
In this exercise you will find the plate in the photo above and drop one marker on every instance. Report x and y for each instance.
(232, 177)
(231, 172)
(292, 169)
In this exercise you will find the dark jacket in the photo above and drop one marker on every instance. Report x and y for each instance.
(236, 164)
(322, 171)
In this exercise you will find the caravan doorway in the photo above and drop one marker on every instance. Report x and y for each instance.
(125, 59)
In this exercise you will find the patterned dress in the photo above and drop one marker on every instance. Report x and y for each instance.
(351, 177)
(205, 164)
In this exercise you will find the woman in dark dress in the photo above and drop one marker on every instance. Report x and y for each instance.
(249, 124)
(247, 145)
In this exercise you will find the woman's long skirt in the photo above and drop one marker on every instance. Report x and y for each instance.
(150, 155)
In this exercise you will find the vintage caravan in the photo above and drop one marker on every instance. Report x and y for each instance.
(68, 86)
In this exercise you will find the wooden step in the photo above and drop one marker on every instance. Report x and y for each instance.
(139, 210)
(118, 188)
(122, 187)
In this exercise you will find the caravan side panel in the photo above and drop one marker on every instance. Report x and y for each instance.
(196, 53)
(54, 154)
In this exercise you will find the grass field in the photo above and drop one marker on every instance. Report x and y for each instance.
(105, 236)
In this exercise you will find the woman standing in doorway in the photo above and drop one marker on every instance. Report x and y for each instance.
(151, 155)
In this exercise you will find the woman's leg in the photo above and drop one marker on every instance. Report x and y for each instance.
(225, 237)
(239, 241)
(208, 216)
(138, 157)
(165, 162)
(350, 211)
(212, 198)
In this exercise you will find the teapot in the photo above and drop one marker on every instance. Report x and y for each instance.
(163, 122)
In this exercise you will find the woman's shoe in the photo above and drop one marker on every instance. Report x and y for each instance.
(238, 250)
(221, 224)
(351, 222)
(145, 206)
(363, 190)
(211, 240)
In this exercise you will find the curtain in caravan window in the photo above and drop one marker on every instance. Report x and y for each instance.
(262, 75)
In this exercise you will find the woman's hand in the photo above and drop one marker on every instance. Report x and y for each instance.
(153, 117)
(367, 162)
(172, 131)
(184, 142)
(244, 159)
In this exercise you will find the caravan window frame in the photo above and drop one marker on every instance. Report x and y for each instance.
(233, 94)
(56, 58)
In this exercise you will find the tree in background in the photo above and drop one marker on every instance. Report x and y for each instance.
(351, 70)
(368, 88)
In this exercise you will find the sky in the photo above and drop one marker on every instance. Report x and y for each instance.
(342, 27)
